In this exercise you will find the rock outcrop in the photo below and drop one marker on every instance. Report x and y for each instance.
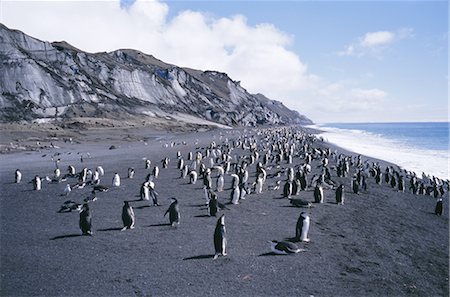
(43, 80)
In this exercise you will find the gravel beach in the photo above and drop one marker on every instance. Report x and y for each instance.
(381, 242)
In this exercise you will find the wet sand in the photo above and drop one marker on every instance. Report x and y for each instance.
(379, 243)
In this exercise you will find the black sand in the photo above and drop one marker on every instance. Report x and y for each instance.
(380, 243)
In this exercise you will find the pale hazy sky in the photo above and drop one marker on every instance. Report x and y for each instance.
(332, 61)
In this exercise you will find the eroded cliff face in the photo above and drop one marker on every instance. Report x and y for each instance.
(55, 80)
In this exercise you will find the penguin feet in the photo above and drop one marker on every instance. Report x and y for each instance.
(305, 240)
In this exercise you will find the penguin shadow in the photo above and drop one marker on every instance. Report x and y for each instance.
(202, 216)
(200, 257)
(66, 236)
(294, 206)
(159, 225)
(110, 229)
(141, 207)
(270, 254)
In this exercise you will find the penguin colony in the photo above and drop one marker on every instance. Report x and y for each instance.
(255, 163)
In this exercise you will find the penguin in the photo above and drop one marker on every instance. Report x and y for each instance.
(128, 217)
(302, 227)
(340, 195)
(86, 220)
(57, 173)
(37, 183)
(438, 208)
(235, 194)
(287, 189)
(355, 186)
(174, 212)
(220, 182)
(71, 170)
(193, 177)
(318, 194)
(67, 189)
(165, 162)
(184, 171)
(116, 180)
(155, 171)
(130, 172)
(95, 178)
(100, 170)
(18, 176)
(259, 184)
(220, 241)
(83, 175)
(284, 247)
(213, 205)
(152, 193)
(147, 164)
(145, 192)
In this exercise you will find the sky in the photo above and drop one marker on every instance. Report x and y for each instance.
(334, 61)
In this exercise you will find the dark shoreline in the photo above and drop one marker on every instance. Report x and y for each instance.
(380, 242)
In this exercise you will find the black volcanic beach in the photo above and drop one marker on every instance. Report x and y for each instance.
(381, 242)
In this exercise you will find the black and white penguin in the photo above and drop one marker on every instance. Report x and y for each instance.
(130, 172)
(284, 247)
(128, 217)
(287, 189)
(155, 171)
(100, 170)
(302, 227)
(439, 207)
(318, 194)
(37, 183)
(340, 195)
(213, 205)
(17, 176)
(116, 180)
(148, 163)
(145, 192)
(355, 186)
(86, 220)
(174, 212)
(193, 177)
(220, 240)
(235, 195)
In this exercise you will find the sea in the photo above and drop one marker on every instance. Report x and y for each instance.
(418, 147)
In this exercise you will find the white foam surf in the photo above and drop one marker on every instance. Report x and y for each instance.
(434, 162)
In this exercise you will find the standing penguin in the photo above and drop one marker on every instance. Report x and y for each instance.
(67, 189)
(438, 208)
(145, 192)
(86, 220)
(340, 195)
(355, 186)
(116, 180)
(37, 183)
(128, 217)
(235, 194)
(155, 171)
(213, 205)
(287, 189)
(174, 212)
(302, 228)
(18, 176)
(220, 241)
(193, 177)
(130, 172)
(318, 194)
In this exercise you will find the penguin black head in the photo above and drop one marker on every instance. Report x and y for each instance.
(174, 199)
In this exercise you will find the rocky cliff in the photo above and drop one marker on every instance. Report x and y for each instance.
(43, 80)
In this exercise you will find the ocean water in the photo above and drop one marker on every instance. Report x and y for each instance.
(419, 147)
